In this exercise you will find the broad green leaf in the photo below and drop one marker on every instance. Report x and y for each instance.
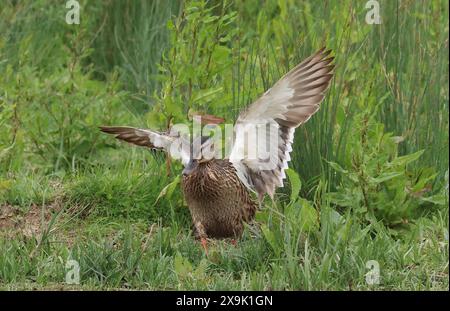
(403, 160)
(168, 190)
(270, 238)
(308, 216)
(385, 177)
(438, 199)
(262, 216)
(345, 199)
(337, 167)
(296, 183)
(204, 95)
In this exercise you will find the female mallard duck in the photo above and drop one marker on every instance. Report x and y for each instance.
(218, 191)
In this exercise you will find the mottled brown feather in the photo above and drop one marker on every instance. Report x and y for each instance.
(218, 201)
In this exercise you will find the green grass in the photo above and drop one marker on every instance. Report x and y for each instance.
(120, 253)
(106, 220)
(370, 169)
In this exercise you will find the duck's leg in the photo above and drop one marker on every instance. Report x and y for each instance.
(204, 245)
(201, 233)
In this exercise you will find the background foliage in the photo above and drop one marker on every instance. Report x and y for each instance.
(369, 177)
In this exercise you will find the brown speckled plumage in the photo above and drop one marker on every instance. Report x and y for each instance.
(219, 202)
(218, 192)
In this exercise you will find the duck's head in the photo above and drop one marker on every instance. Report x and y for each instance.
(202, 151)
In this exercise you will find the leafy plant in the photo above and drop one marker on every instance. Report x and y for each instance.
(375, 180)
(283, 228)
(52, 112)
(192, 70)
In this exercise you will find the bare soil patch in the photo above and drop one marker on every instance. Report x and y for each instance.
(29, 223)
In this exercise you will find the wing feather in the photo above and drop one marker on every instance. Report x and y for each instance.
(288, 104)
(152, 139)
(140, 137)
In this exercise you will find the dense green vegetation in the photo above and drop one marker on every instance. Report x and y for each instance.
(368, 178)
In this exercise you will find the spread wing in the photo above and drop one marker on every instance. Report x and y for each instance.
(172, 143)
(280, 110)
